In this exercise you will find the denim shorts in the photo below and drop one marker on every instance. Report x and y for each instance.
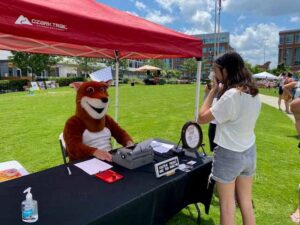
(228, 165)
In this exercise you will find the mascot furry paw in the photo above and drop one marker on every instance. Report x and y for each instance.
(88, 133)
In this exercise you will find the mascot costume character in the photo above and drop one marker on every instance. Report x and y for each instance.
(88, 133)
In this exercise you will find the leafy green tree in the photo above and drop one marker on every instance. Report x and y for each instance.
(37, 62)
(158, 63)
(189, 67)
(123, 63)
(253, 69)
(173, 74)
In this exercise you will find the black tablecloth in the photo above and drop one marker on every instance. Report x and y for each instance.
(139, 198)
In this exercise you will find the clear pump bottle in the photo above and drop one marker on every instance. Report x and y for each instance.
(29, 208)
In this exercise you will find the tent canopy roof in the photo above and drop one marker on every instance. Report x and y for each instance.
(146, 68)
(265, 75)
(89, 29)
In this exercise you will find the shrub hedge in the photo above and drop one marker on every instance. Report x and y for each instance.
(18, 85)
(65, 81)
(12, 85)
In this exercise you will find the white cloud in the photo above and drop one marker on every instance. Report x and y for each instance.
(187, 8)
(140, 5)
(157, 17)
(197, 14)
(263, 7)
(203, 21)
(295, 19)
(132, 13)
(193, 31)
(241, 17)
(253, 40)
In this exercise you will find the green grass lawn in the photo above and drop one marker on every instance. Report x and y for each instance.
(270, 92)
(30, 126)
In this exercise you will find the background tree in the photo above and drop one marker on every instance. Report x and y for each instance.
(123, 63)
(189, 67)
(86, 66)
(157, 63)
(173, 74)
(37, 62)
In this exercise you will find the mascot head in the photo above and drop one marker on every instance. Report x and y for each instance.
(91, 99)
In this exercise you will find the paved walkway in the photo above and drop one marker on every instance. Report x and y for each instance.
(273, 101)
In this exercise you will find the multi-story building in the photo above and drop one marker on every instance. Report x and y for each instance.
(289, 49)
(7, 70)
(209, 41)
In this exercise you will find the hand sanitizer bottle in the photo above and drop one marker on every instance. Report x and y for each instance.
(29, 208)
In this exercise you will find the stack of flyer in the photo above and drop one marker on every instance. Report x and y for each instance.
(9, 174)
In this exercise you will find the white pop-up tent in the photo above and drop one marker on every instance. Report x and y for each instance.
(265, 75)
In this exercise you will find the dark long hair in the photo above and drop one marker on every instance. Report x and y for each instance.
(238, 76)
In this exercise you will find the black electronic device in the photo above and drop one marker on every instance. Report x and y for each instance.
(133, 157)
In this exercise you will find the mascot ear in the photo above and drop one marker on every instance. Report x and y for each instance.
(76, 85)
(109, 83)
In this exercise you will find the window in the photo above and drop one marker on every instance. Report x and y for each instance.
(281, 39)
(56, 71)
(222, 49)
(297, 38)
(289, 38)
(288, 59)
(204, 50)
(297, 56)
(280, 56)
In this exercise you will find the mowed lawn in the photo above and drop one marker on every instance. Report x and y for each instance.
(30, 126)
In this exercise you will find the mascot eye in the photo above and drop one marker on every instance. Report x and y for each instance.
(102, 89)
(90, 90)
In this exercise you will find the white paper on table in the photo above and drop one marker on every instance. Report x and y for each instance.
(13, 165)
(93, 166)
(161, 147)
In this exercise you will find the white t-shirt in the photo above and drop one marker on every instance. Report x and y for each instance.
(99, 139)
(214, 102)
(236, 113)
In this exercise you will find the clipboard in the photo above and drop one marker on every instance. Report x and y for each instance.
(109, 176)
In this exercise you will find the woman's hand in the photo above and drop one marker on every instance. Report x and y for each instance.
(103, 155)
(214, 86)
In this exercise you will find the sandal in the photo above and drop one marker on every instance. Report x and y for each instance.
(295, 217)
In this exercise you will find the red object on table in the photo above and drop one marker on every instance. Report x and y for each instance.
(109, 176)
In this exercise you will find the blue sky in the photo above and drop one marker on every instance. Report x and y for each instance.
(253, 24)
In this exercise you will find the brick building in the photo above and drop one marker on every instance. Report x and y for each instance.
(289, 49)
(208, 51)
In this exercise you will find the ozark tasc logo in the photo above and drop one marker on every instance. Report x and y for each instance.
(23, 20)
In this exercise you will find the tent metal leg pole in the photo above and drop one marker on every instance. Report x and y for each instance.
(199, 67)
(117, 86)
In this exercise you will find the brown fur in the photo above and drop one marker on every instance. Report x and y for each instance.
(77, 124)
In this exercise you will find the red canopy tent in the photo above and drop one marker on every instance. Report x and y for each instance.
(87, 28)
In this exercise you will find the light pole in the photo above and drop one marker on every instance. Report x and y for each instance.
(215, 42)
(218, 7)
(264, 40)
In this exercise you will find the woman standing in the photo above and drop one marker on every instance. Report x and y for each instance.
(281, 80)
(236, 113)
(295, 104)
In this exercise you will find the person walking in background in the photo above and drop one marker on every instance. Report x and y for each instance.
(236, 112)
(281, 80)
(294, 89)
(213, 124)
(287, 96)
